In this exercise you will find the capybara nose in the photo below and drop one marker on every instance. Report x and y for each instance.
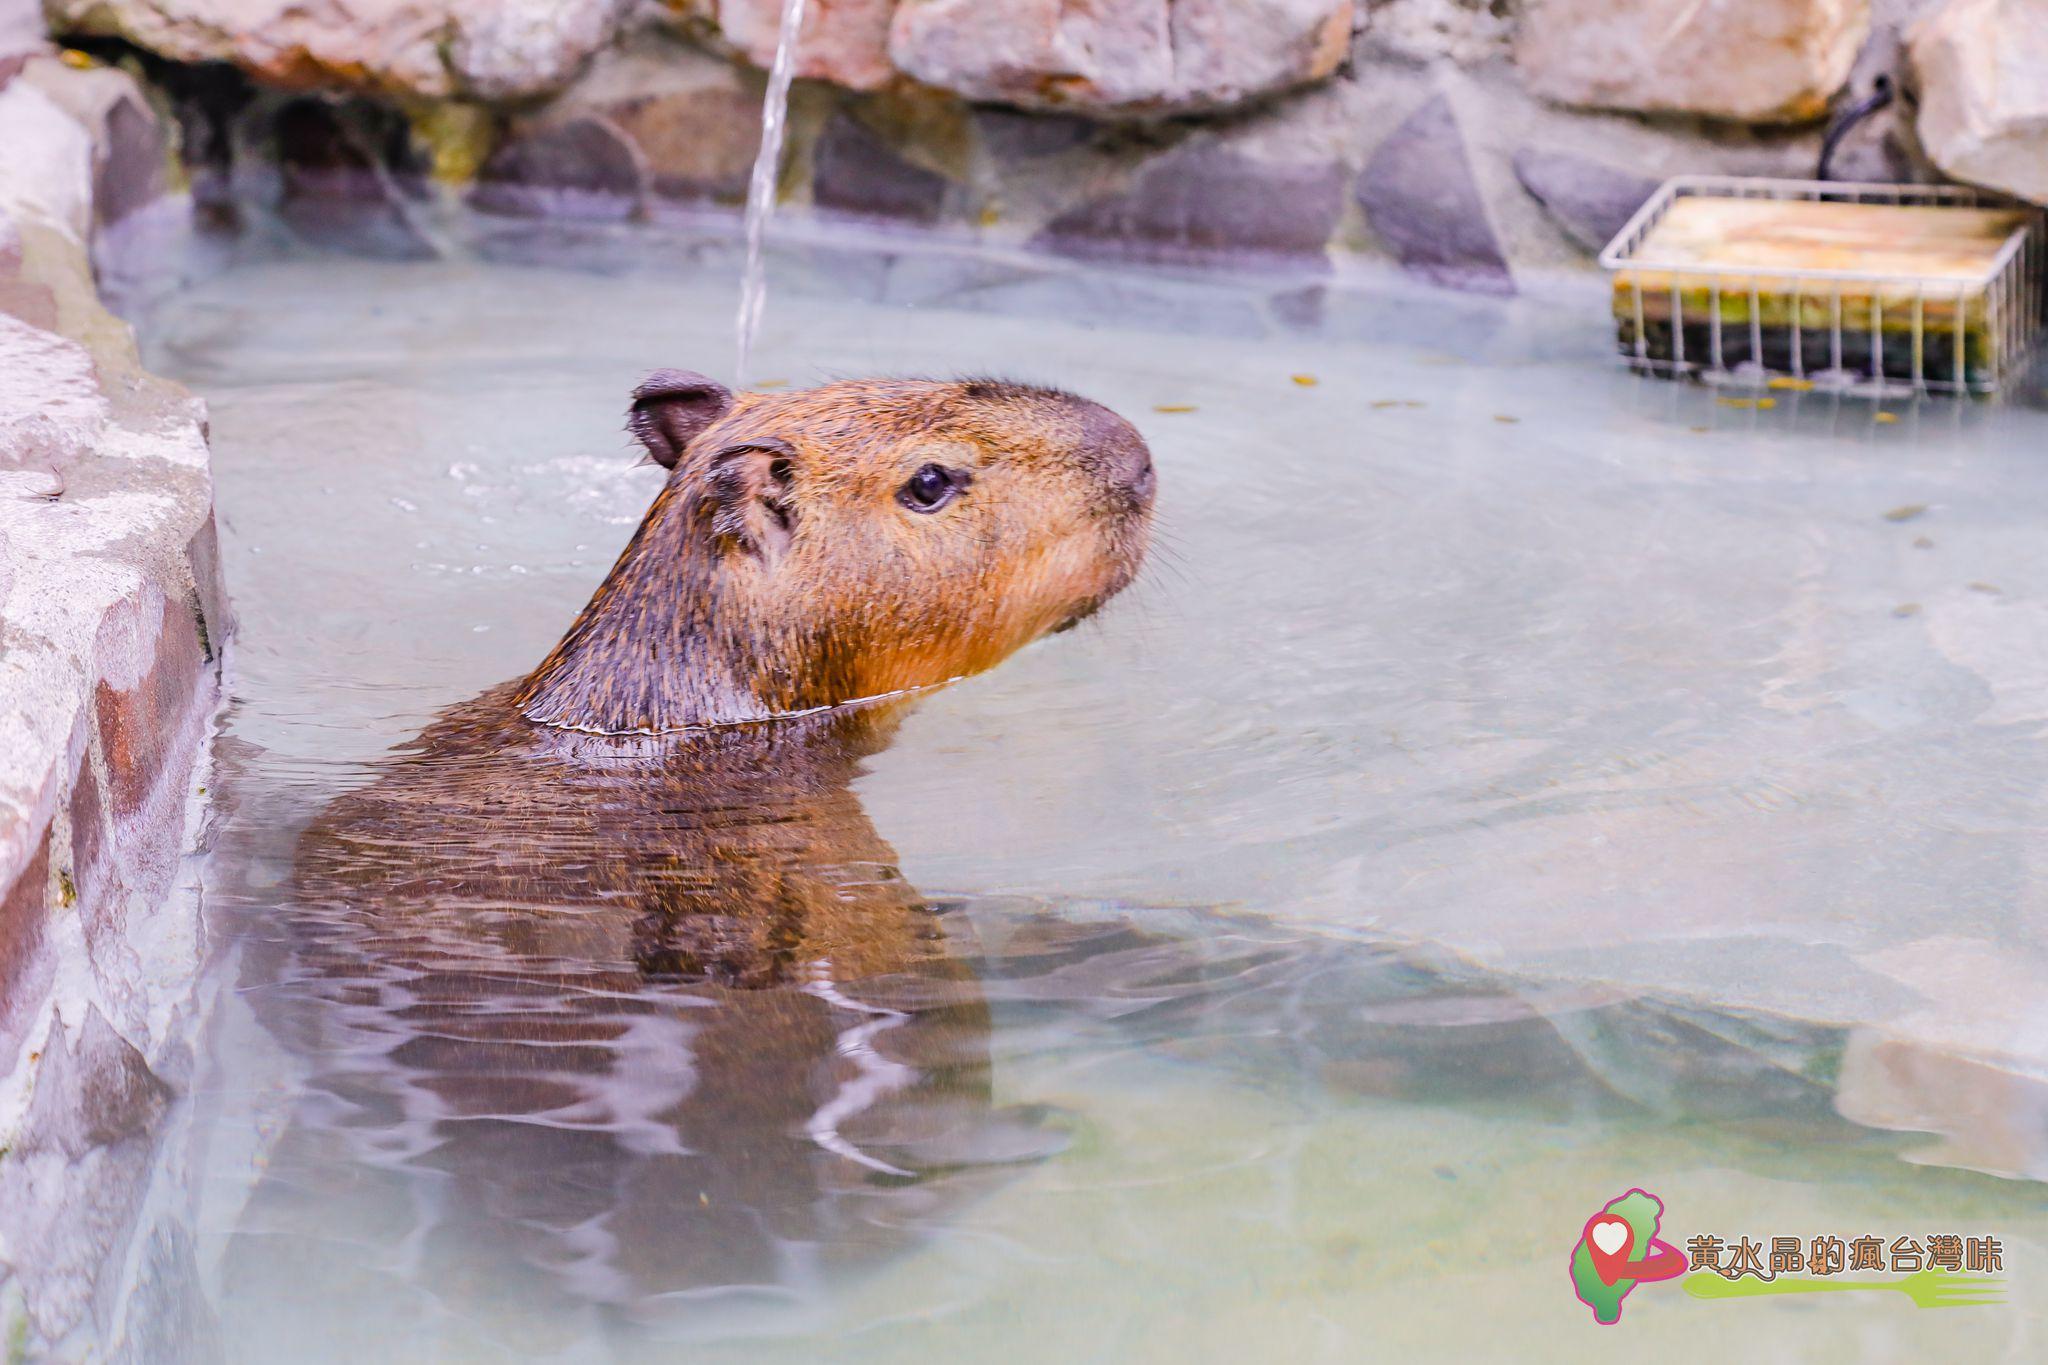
(1134, 466)
(1125, 459)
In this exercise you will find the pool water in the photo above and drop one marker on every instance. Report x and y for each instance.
(1510, 783)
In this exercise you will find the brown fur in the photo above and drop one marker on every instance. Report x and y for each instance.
(565, 868)
(741, 598)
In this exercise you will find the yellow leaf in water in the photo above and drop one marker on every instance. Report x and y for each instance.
(1786, 381)
(1765, 403)
(1307, 381)
(1504, 418)
(1173, 407)
(1886, 417)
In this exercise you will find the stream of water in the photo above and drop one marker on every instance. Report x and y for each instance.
(761, 188)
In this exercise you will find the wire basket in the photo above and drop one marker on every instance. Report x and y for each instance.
(1733, 279)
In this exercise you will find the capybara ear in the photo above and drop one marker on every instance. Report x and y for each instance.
(670, 407)
(747, 492)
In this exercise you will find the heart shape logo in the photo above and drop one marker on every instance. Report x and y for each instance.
(1608, 1240)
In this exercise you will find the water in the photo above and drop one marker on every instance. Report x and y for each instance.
(761, 187)
(1513, 782)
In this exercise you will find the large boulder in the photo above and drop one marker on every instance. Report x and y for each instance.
(854, 171)
(21, 27)
(1757, 61)
(1982, 68)
(1420, 195)
(693, 120)
(1206, 202)
(131, 158)
(1119, 56)
(111, 618)
(580, 167)
(1590, 200)
(845, 42)
(481, 49)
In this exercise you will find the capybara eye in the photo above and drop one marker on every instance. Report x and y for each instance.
(931, 488)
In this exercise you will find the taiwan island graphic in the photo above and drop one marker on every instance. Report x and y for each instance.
(1619, 1250)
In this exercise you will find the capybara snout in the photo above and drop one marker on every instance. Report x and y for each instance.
(845, 542)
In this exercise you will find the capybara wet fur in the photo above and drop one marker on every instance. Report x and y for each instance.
(610, 957)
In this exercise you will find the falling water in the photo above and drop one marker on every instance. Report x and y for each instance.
(761, 190)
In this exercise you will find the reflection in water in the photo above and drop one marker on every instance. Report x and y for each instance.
(625, 1047)
(611, 1038)
(603, 1021)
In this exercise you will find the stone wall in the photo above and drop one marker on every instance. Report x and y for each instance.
(111, 621)
(1469, 141)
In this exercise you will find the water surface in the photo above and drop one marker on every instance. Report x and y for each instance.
(1513, 782)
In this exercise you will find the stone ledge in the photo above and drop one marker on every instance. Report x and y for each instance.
(111, 623)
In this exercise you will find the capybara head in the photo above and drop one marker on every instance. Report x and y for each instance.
(847, 542)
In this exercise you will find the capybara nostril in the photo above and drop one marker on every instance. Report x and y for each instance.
(1144, 481)
(1125, 459)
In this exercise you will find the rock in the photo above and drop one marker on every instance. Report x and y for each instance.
(693, 120)
(1013, 136)
(699, 145)
(1589, 200)
(130, 153)
(134, 158)
(110, 615)
(1202, 201)
(855, 172)
(1467, 32)
(1120, 56)
(845, 42)
(1757, 61)
(345, 178)
(21, 30)
(482, 49)
(95, 1089)
(581, 168)
(1420, 197)
(206, 98)
(1982, 69)
(516, 49)
(47, 170)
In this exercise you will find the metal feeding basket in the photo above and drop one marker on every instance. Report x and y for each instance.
(1815, 283)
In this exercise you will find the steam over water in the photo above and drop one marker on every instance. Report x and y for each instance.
(1512, 782)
